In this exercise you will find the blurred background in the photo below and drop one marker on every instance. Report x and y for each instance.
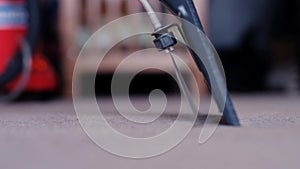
(258, 42)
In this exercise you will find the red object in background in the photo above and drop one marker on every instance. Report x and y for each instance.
(42, 76)
(13, 27)
(9, 42)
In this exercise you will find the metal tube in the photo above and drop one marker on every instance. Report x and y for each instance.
(151, 14)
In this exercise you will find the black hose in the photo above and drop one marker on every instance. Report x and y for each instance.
(229, 114)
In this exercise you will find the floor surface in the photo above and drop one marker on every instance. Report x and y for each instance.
(47, 135)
